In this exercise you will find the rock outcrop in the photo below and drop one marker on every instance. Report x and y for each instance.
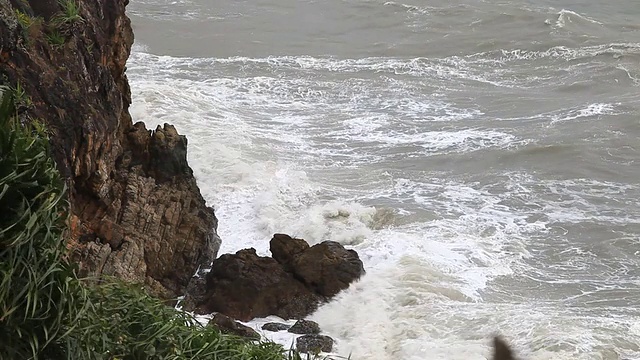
(245, 286)
(305, 327)
(227, 325)
(136, 210)
(275, 327)
(314, 344)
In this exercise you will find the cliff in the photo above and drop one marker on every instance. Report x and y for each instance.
(136, 210)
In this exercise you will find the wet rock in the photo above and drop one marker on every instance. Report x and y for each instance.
(289, 285)
(284, 249)
(328, 268)
(314, 344)
(305, 327)
(229, 326)
(272, 326)
(245, 286)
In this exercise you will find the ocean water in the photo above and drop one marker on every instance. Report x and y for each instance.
(481, 156)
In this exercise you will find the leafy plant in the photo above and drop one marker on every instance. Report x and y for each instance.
(24, 20)
(55, 38)
(70, 14)
(30, 25)
(20, 97)
(37, 297)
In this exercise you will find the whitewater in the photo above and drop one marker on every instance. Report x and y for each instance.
(481, 157)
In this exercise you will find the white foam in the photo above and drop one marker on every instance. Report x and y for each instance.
(565, 16)
(264, 150)
(591, 110)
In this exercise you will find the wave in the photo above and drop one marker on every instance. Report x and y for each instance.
(565, 16)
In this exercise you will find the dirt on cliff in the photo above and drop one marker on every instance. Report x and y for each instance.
(136, 210)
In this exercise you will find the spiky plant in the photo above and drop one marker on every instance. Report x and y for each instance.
(68, 17)
(36, 294)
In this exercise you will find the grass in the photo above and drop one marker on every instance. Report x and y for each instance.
(36, 297)
(24, 20)
(55, 38)
(31, 26)
(70, 14)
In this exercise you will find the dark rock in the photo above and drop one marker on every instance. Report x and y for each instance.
(284, 249)
(272, 326)
(289, 285)
(229, 326)
(196, 292)
(328, 268)
(314, 344)
(305, 327)
(130, 189)
(245, 286)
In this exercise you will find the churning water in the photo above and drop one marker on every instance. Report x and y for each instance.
(481, 156)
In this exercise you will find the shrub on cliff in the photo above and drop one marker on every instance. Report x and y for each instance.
(36, 294)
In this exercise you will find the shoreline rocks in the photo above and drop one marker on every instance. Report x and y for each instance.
(227, 325)
(290, 284)
(305, 327)
(314, 344)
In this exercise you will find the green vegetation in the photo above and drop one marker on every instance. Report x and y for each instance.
(36, 296)
(30, 25)
(24, 20)
(46, 312)
(70, 14)
(55, 38)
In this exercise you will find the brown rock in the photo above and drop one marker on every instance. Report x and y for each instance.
(305, 327)
(328, 268)
(314, 344)
(131, 190)
(245, 286)
(284, 248)
(229, 326)
(275, 327)
(290, 285)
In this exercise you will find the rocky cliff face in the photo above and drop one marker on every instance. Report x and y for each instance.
(136, 210)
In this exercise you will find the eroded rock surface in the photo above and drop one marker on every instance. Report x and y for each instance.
(136, 210)
(305, 327)
(245, 286)
(273, 326)
(227, 325)
(314, 344)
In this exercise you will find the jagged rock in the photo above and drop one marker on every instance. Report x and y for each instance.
(196, 292)
(305, 327)
(328, 267)
(284, 249)
(229, 326)
(245, 286)
(136, 210)
(272, 326)
(314, 344)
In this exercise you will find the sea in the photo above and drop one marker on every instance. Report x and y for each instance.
(481, 156)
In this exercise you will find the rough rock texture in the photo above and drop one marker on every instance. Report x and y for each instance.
(272, 326)
(229, 326)
(136, 211)
(314, 344)
(284, 249)
(305, 327)
(244, 285)
(328, 267)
